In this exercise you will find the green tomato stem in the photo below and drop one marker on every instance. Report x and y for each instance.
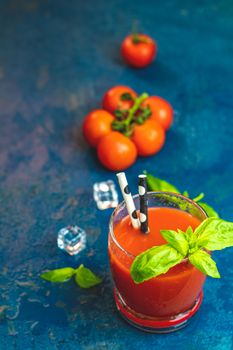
(134, 108)
(126, 126)
(137, 40)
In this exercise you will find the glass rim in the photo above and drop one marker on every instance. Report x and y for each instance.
(121, 205)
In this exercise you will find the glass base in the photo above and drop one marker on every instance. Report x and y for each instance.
(155, 325)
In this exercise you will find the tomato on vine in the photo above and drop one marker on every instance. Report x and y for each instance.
(97, 124)
(149, 137)
(116, 151)
(129, 125)
(161, 110)
(138, 50)
(118, 98)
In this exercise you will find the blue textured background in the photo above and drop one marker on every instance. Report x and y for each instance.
(57, 58)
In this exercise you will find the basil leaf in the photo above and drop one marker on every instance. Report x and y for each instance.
(188, 234)
(209, 210)
(199, 197)
(203, 262)
(156, 184)
(153, 262)
(58, 275)
(186, 194)
(85, 278)
(214, 234)
(177, 240)
(191, 239)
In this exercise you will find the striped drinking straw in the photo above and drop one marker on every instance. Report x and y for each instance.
(142, 191)
(128, 199)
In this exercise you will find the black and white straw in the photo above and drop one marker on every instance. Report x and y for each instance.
(142, 190)
(128, 199)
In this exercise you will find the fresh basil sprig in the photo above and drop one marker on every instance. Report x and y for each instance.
(156, 184)
(84, 277)
(211, 234)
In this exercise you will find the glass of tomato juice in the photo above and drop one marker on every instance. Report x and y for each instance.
(164, 303)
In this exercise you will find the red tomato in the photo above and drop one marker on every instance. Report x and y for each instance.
(96, 125)
(149, 137)
(161, 110)
(138, 50)
(116, 151)
(113, 99)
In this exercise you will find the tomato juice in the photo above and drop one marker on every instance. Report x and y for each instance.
(168, 294)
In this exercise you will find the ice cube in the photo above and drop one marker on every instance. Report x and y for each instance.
(72, 239)
(105, 194)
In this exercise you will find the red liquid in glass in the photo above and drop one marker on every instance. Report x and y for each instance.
(166, 295)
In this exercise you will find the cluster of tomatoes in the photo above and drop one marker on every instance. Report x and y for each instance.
(128, 125)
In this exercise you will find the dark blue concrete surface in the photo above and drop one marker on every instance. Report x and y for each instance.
(57, 58)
